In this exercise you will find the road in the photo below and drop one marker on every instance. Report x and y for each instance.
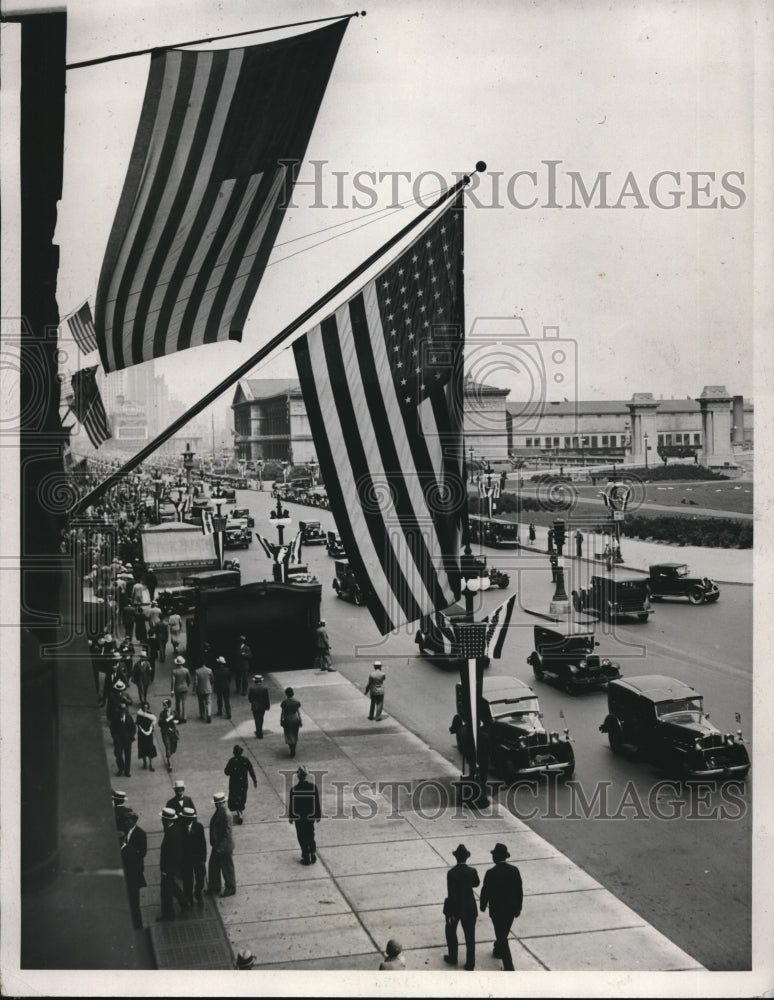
(679, 856)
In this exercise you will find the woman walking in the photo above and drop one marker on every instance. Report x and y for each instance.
(238, 769)
(290, 719)
(532, 534)
(146, 745)
(168, 730)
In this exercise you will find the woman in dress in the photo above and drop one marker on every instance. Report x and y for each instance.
(290, 719)
(146, 744)
(168, 729)
(238, 769)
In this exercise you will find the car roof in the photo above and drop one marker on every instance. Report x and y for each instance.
(621, 577)
(655, 687)
(667, 565)
(578, 626)
(505, 688)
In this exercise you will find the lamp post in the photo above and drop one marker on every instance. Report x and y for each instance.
(584, 445)
(313, 472)
(471, 462)
(647, 449)
(560, 604)
(472, 581)
(259, 466)
(219, 527)
(281, 519)
(188, 464)
(158, 486)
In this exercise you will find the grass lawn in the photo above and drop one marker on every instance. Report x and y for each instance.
(735, 495)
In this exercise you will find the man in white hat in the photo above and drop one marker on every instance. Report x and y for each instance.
(375, 687)
(181, 682)
(180, 800)
(171, 862)
(222, 686)
(222, 849)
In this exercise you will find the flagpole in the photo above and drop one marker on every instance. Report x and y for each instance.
(247, 366)
(206, 41)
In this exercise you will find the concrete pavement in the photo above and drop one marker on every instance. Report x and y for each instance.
(384, 846)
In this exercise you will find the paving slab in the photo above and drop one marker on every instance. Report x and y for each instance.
(369, 892)
(269, 867)
(431, 959)
(523, 845)
(456, 822)
(397, 855)
(625, 950)
(376, 830)
(423, 926)
(285, 900)
(574, 912)
(284, 941)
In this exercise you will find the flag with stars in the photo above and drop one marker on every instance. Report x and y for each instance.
(382, 384)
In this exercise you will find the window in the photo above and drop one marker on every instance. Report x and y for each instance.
(529, 442)
(667, 439)
(594, 441)
(661, 439)
(576, 442)
(556, 442)
(697, 438)
(605, 440)
(567, 442)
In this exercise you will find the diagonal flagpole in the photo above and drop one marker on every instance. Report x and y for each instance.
(206, 41)
(247, 366)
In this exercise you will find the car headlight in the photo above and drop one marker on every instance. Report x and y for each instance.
(729, 737)
(697, 743)
(582, 664)
(606, 662)
(554, 737)
(522, 743)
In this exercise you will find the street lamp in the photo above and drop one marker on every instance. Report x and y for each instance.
(471, 462)
(472, 581)
(647, 449)
(188, 463)
(219, 527)
(560, 604)
(158, 486)
(584, 445)
(313, 471)
(280, 519)
(259, 466)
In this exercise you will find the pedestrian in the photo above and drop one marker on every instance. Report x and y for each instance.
(222, 686)
(393, 958)
(244, 960)
(134, 847)
(531, 532)
(146, 744)
(304, 810)
(237, 770)
(113, 674)
(140, 624)
(194, 855)
(203, 679)
(550, 537)
(118, 700)
(175, 623)
(120, 808)
(168, 729)
(141, 675)
(122, 730)
(152, 651)
(222, 849)
(171, 865)
(162, 637)
(375, 687)
(181, 682)
(151, 582)
(323, 657)
(243, 666)
(127, 621)
(579, 544)
(502, 892)
(290, 719)
(460, 907)
(258, 696)
(180, 800)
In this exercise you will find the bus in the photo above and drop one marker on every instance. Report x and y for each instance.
(495, 532)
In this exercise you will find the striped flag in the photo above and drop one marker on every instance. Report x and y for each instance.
(81, 327)
(382, 384)
(208, 528)
(87, 406)
(294, 552)
(440, 630)
(266, 545)
(497, 628)
(220, 137)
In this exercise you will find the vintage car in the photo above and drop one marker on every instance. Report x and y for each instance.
(335, 546)
(565, 655)
(673, 579)
(496, 577)
(224, 492)
(345, 585)
(493, 531)
(434, 645)
(519, 746)
(237, 536)
(183, 599)
(662, 720)
(613, 596)
(312, 533)
(242, 514)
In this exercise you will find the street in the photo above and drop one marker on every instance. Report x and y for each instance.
(680, 856)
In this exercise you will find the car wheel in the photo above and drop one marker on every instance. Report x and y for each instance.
(566, 775)
(696, 595)
(357, 597)
(569, 686)
(539, 675)
(643, 617)
(615, 736)
(504, 583)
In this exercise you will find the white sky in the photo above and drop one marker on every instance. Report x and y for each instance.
(655, 300)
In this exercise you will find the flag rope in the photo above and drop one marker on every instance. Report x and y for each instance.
(247, 366)
(205, 41)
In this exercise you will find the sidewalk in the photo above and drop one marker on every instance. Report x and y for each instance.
(384, 847)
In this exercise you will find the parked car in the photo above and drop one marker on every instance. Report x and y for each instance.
(519, 744)
(662, 720)
(237, 536)
(242, 514)
(334, 546)
(183, 599)
(613, 596)
(312, 533)
(497, 577)
(673, 579)
(345, 585)
(564, 655)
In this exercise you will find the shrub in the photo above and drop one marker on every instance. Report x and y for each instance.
(713, 532)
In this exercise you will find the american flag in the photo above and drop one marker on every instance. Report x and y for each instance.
(382, 384)
(87, 406)
(472, 639)
(440, 628)
(208, 528)
(266, 545)
(294, 552)
(496, 626)
(81, 327)
(210, 175)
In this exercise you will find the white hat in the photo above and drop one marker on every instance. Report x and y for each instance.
(180, 661)
(218, 797)
(178, 783)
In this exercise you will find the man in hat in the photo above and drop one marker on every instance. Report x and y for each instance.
(120, 808)
(393, 960)
(460, 907)
(243, 666)
(245, 959)
(375, 687)
(502, 892)
(180, 800)
(222, 685)
(181, 682)
(203, 680)
(304, 810)
(134, 847)
(194, 855)
(123, 731)
(222, 849)
(171, 865)
(113, 674)
(142, 675)
(323, 648)
(258, 696)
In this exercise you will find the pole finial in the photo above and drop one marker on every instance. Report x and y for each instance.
(480, 167)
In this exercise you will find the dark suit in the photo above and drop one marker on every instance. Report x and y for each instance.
(502, 892)
(304, 810)
(133, 851)
(460, 907)
(179, 804)
(258, 697)
(123, 730)
(194, 860)
(222, 853)
(171, 863)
